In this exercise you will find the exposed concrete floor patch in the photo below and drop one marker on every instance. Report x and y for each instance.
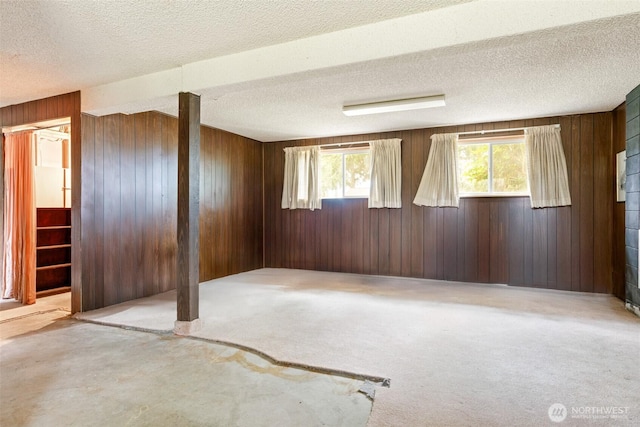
(78, 374)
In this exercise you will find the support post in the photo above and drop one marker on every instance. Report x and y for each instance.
(188, 213)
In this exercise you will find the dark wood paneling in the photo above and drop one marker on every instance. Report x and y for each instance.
(231, 233)
(129, 180)
(112, 256)
(57, 107)
(495, 240)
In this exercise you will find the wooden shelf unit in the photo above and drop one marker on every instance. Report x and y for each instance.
(53, 257)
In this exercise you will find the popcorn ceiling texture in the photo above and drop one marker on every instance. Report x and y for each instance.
(52, 47)
(578, 67)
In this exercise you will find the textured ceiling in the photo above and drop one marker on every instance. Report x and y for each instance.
(583, 66)
(48, 47)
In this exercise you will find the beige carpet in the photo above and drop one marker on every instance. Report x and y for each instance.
(456, 354)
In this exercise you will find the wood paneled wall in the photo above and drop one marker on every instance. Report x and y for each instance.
(55, 107)
(129, 211)
(618, 252)
(231, 238)
(494, 240)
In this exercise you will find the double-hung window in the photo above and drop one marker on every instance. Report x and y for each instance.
(492, 167)
(345, 173)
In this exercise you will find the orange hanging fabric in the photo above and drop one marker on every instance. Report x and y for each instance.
(19, 234)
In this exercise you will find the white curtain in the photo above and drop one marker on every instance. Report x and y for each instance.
(546, 167)
(386, 174)
(439, 184)
(301, 189)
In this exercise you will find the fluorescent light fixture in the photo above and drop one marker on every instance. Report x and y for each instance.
(394, 105)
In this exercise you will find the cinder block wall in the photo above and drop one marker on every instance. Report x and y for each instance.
(632, 208)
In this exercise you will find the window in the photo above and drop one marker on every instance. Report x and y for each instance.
(344, 173)
(492, 167)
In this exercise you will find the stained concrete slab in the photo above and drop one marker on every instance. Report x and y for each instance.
(58, 371)
(456, 353)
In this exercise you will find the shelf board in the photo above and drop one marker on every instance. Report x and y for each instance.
(53, 291)
(66, 245)
(51, 267)
(53, 227)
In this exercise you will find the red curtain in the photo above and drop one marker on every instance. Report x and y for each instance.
(19, 234)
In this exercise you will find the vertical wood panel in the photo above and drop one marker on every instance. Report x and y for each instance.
(375, 238)
(172, 214)
(156, 198)
(140, 205)
(586, 204)
(97, 263)
(539, 247)
(552, 247)
(111, 202)
(206, 181)
(358, 238)
(460, 244)
(495, 226)
(602, 196)
(395, 242)
(88, 208)
(150, 286)
(384, 242)
(418, 164)
(484, 240)
(127, 209)
(516, 240)
(503, 251)
(406, 212)
(563, 225)
(449, 242)
(575, 202)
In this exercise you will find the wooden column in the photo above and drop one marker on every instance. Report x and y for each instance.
(188, 206)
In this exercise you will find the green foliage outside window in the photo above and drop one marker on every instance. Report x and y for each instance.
(492, 168)
(350, 169)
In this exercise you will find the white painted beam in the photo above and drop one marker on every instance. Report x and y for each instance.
(458, 25)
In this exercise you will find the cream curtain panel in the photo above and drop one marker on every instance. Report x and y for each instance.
(439, 184)
(301, 189)
(19, 234)
(386, 174)
(546, 167)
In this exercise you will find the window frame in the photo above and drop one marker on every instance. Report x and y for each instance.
(343, 151)
(491, 141)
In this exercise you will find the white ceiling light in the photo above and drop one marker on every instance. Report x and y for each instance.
(394, 105)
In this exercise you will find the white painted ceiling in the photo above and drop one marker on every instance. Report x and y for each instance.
(275, 70)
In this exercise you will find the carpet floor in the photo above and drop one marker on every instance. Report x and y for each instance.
(456, 353)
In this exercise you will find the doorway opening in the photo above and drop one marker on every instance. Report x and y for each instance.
(51, 174)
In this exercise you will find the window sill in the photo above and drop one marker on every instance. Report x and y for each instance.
(483, 195)
(346, 198)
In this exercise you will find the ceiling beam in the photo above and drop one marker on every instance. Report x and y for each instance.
(458, 25)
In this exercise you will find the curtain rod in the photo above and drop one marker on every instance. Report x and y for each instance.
(52, 133)
(338, 144)
(482, 132)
